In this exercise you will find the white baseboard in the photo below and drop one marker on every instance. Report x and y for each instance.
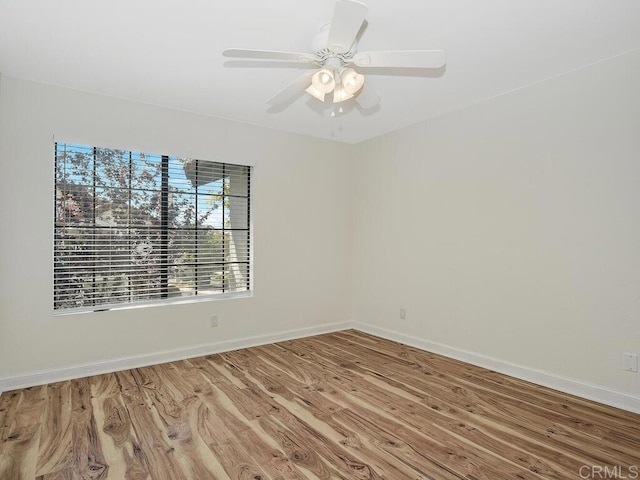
(32, 379)
(574, 387)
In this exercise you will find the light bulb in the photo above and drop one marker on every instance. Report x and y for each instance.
(352, 80)
(340, 94)
(323, 80)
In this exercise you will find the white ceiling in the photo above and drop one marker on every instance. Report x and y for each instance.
(169, 53)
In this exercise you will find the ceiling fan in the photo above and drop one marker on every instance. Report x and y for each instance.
(335, 58)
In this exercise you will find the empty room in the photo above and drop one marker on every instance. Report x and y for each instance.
(341, 239)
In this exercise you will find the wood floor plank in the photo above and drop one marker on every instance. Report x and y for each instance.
(121, 447)
(55, 453)
(251, 401)
(88, 461)
(223, 432)
(197, 458)
(322, 441)
(20, 434)
(155, 446)
(345, 405)
(7, 403)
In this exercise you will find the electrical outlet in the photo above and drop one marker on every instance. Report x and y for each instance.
(630, 362)
(214, 321)
(403, 313)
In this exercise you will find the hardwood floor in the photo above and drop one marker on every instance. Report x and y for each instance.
(343, 405)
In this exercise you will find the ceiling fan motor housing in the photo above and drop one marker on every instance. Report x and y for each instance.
(320, 45)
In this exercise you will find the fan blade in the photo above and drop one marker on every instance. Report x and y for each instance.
(367, 98)
(401, 59)
(289, 93)
(269, 55)
(347, 20)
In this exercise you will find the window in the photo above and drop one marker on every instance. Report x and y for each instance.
(134, 228)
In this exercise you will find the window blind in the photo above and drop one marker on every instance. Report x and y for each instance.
(134, 228)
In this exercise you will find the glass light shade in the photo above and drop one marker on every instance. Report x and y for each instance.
(311, 90)
(340, 94)
(323, 80)
(352, 80)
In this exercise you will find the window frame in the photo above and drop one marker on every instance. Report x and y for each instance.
(164, 229)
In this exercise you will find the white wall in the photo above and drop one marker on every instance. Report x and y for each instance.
(507, 230)
(511, 229)
(302, 225)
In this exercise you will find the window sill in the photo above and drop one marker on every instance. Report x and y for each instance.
(154, 303)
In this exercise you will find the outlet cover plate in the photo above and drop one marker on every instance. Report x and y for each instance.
(631, 362)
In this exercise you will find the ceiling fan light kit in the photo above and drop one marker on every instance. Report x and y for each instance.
(343, 82)
(335, 56)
